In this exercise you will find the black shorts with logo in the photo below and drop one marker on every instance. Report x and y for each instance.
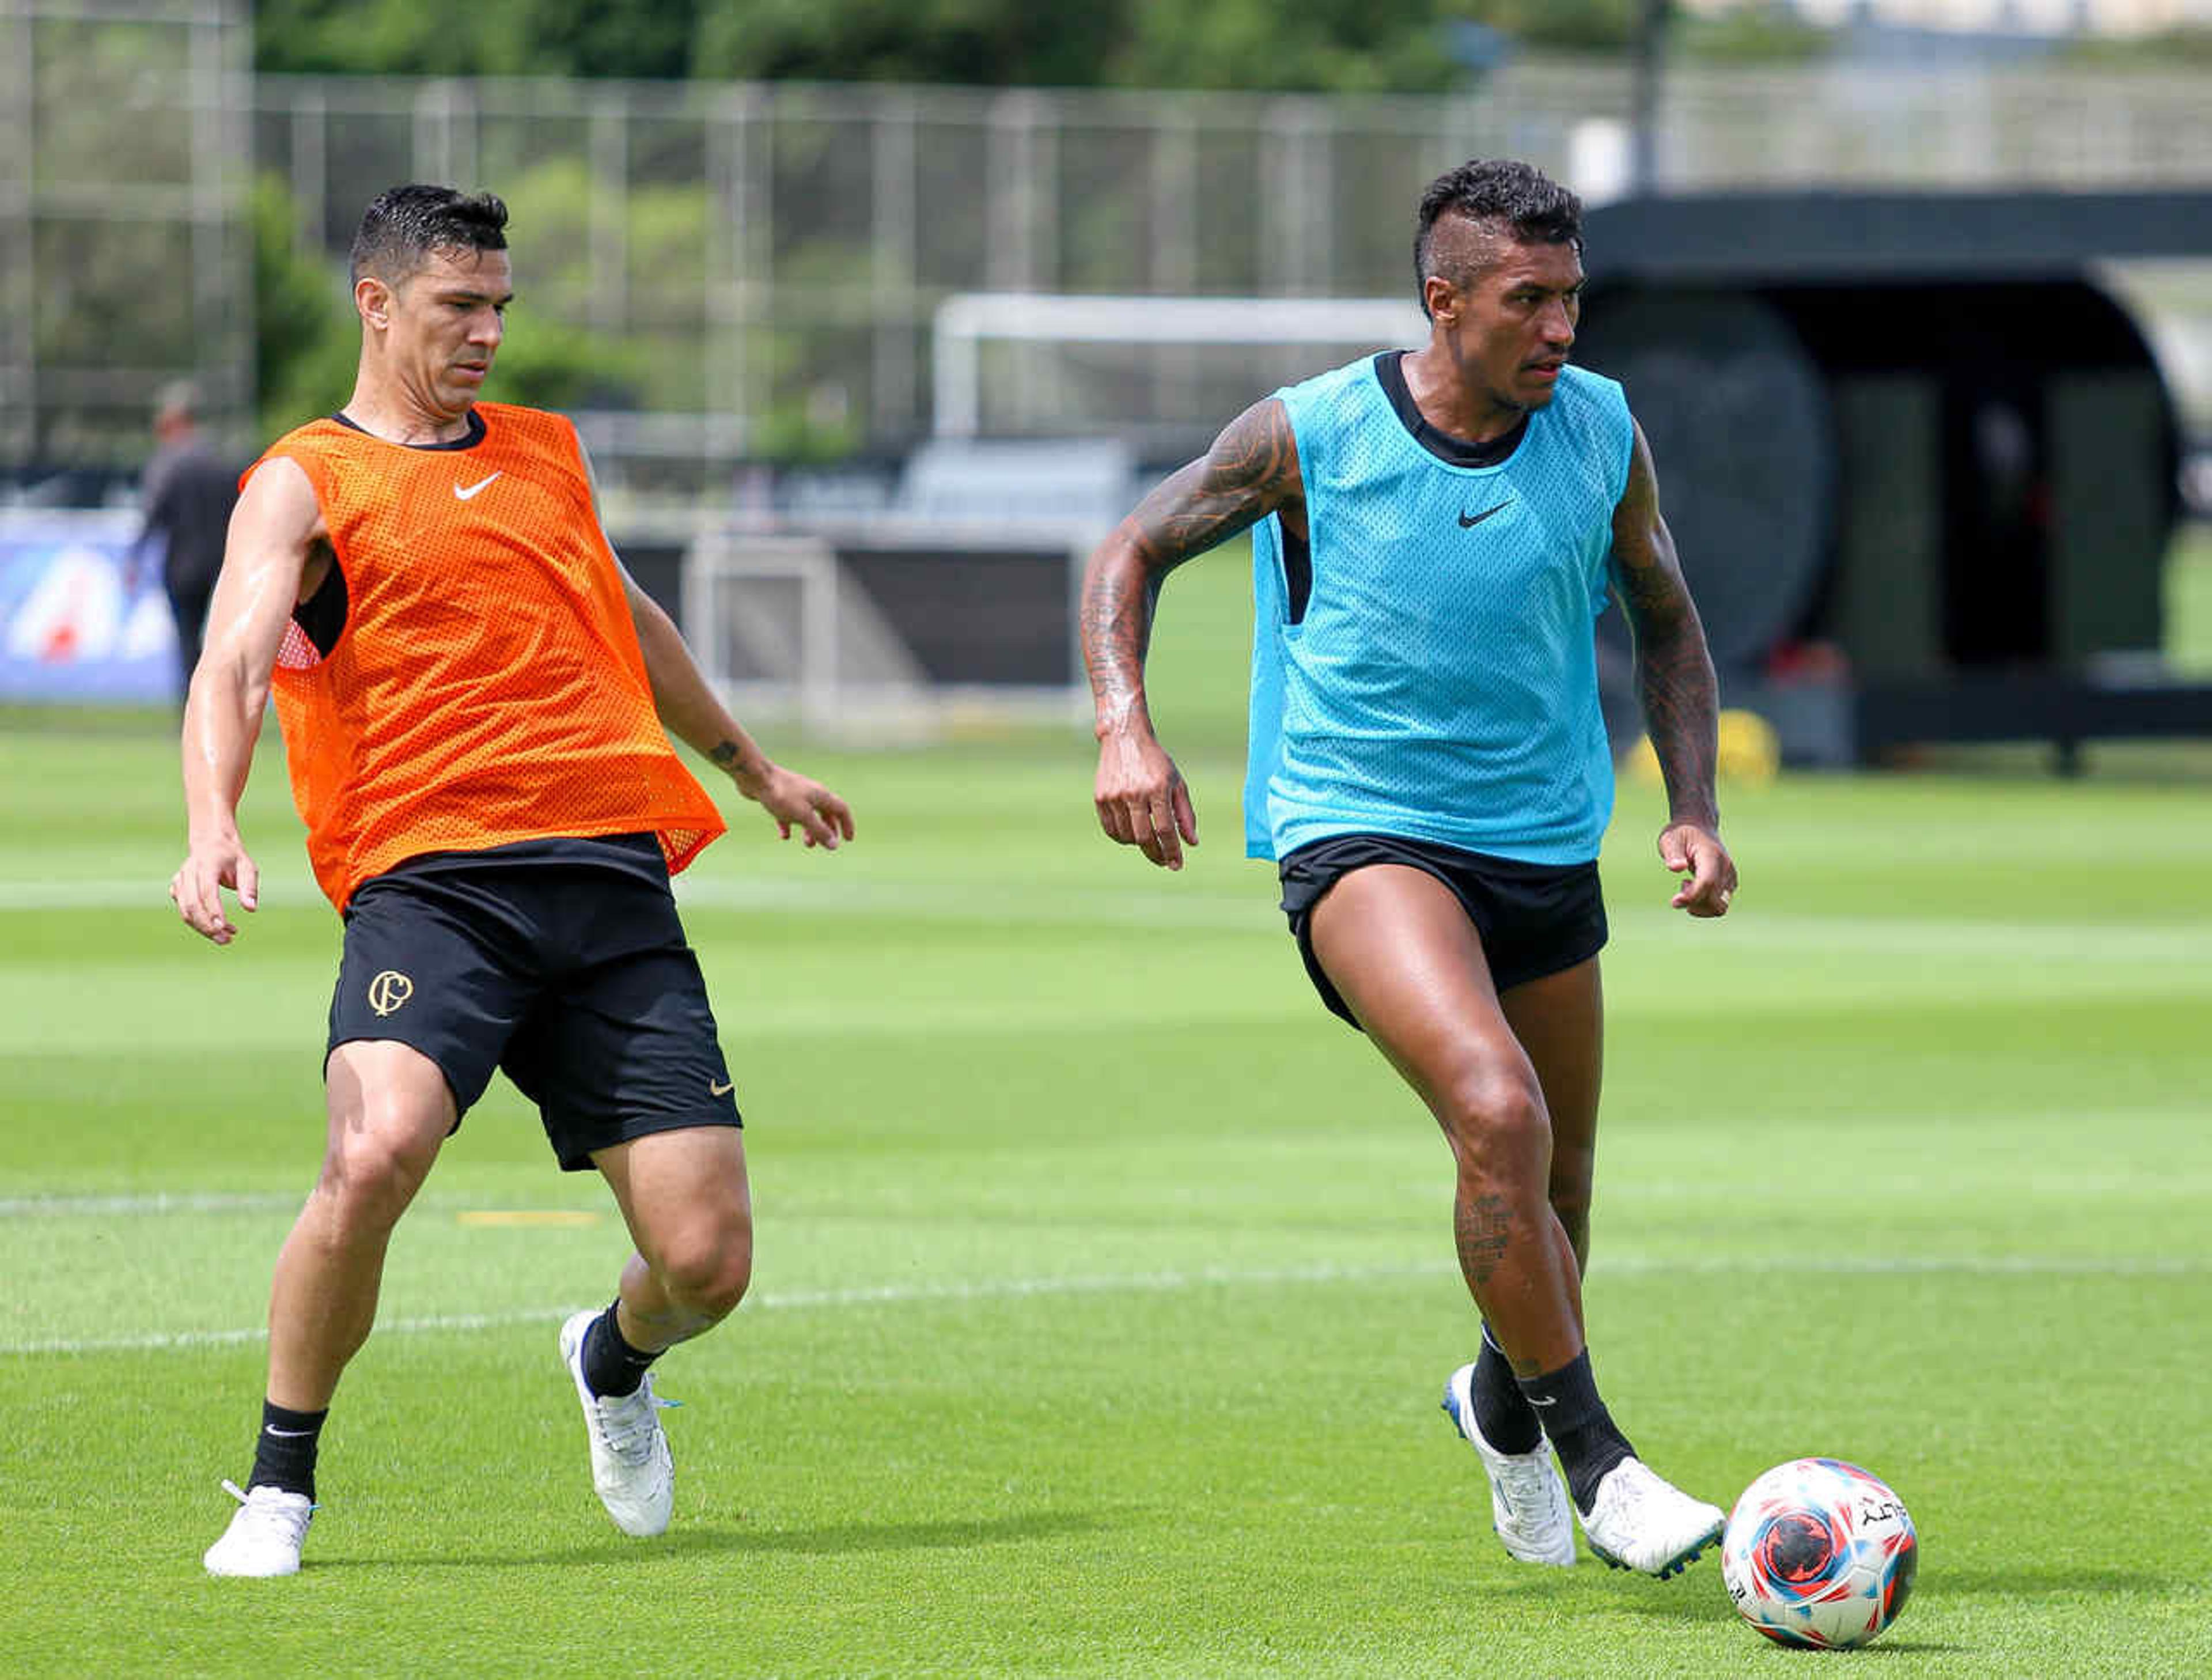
(560, 962)
(1534, 919)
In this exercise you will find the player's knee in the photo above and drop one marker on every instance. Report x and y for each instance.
(388, 1116)
(706, 1273)
(372, 1171)
(1498, 1130)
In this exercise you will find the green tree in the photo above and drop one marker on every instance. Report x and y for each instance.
(1334, 46)
(1595, 26)
(611, 37)
(305, 349)
(1329, 46)
(991, 43)
(2188, 48)
(1751, 34)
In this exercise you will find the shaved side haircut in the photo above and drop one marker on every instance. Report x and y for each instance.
(1538, 209)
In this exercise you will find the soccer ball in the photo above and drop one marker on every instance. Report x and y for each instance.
(1819, 1553)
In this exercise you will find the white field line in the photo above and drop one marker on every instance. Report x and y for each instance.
(99, 1207)
(157, 1204)
(1958, 939)
(876, 1296)
(991, 1289)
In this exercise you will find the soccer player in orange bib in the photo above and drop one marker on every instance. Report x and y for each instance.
(476, 701)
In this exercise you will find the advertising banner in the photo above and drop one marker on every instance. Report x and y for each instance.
(78, 623)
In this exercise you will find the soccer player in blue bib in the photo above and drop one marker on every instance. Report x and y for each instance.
(1434, 533)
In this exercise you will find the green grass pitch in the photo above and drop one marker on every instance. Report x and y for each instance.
(1104, 1293)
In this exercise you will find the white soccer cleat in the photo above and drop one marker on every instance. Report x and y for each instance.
(630, 1466)
(1640, 1521)
(265, 1535)
(1528, 1500)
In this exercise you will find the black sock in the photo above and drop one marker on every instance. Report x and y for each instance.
(284, 1456)
(612, 1368)
(1588, 1440)
(1502, 1412)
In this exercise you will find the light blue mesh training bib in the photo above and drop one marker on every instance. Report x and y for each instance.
(1442, 684)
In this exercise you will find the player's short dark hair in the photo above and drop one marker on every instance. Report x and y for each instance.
(1499, 189)
(403, 225)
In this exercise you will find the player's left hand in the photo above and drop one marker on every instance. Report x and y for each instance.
(1695, 853)
(797, 801)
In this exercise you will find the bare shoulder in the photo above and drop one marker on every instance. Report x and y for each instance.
(277, 530)
(1642, 489)
(1647, 572)
(1640, 539)
(279, 500)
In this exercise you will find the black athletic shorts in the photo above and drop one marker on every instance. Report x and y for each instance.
(1534, 919)
(561, 962)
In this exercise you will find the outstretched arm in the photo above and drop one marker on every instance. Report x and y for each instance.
(1674, 679)
(1252, 471)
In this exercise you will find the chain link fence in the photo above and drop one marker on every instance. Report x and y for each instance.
(751, 271)
(125, 254)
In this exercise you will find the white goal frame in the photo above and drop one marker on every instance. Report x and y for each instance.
(842, 670)
(965, 319)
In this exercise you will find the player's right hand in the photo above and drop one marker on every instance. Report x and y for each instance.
(800, 802)
(1709, 878)
(196, 887)
(1142, 800)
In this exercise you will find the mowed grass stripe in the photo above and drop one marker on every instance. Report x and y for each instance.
(2187, 940)
(933, 988)
(1026, 1289)
(2026, 1175)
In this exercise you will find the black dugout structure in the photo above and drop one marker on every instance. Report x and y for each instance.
(1920, 464)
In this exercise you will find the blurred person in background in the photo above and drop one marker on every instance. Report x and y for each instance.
(476, 701)
(1434, 535)
(185, 498)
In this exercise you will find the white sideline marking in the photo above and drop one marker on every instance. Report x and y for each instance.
(169, 1202)
(876, 1296)
(1208, 1277)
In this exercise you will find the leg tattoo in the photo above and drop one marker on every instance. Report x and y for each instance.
(1484, 1228)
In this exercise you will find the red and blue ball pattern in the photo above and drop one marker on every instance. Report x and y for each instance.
(1819, 1553)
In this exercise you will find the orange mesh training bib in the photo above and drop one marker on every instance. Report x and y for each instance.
(487, 686)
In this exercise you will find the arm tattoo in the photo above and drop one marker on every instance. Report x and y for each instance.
(725, 754)
(1674, 680)
(1241, 480)
(1484, 1229)
(1251, 471)
(1673, 671)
